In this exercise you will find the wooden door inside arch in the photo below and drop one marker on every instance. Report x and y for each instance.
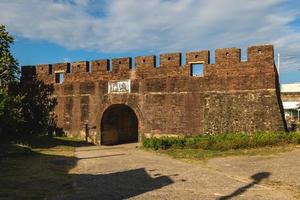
(119, 125)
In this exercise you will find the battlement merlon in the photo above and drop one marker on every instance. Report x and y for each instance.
(44, 69)
(62, 68)
(260, 55)
(198, 57)
(145, 62)
(80, 66)
(170, 60)
(228, 56)
(121, 64)
(100, 65)
(28, 73)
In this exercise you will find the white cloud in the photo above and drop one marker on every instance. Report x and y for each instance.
(158, 25)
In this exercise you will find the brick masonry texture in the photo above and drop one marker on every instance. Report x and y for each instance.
(232, 95)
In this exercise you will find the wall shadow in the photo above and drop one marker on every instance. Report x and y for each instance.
(278, 95)
(257, 178)
(118, 185)
(38, 175)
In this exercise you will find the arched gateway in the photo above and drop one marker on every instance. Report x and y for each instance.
(119, 124)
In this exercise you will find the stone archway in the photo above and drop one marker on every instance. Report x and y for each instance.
(119, 124)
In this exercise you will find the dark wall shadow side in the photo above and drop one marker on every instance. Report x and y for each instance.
(278, 94)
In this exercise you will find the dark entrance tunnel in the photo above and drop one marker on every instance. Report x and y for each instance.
(119, 125)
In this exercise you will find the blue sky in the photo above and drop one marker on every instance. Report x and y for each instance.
(51, 31)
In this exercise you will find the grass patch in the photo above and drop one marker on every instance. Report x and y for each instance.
(208, 146)
(200, 154)
(38, 169)
(223, 142)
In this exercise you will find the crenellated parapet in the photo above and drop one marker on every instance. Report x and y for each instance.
(227, 63)
(260, 60)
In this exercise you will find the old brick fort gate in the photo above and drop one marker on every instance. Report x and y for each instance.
(123, 104)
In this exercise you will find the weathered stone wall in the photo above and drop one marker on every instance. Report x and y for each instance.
(232, 95)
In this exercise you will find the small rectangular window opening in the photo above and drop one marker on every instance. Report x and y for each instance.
(197, 70)
(59, 78)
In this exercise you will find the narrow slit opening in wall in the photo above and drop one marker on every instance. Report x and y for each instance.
(69, 69)
(110, 65)
(50, 69)
(157, 61)
(212, 56)
(59, 78)
(132, 64)
(180, 59)
(183, 59)
(88, 67)
(197, 69)
(244, 55)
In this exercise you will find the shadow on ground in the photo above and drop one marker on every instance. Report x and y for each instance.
(257, 178)
(50, 142)
(44, 175)
(118, 185)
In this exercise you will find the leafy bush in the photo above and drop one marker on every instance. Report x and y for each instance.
(222, 142)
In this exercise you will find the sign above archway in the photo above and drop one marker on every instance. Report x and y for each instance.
(119, 86)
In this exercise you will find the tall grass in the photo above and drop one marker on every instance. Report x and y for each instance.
(223, 142)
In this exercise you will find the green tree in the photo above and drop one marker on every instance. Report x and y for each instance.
(10, 102)
(10, 112)
(9, 69)
(26, 108)
(38, 108)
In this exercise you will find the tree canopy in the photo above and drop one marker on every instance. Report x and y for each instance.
(9, 70)
(25, 109)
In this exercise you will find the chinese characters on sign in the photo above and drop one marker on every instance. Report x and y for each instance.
(119, 86)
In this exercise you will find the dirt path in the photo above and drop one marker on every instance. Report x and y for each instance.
(126, 172)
